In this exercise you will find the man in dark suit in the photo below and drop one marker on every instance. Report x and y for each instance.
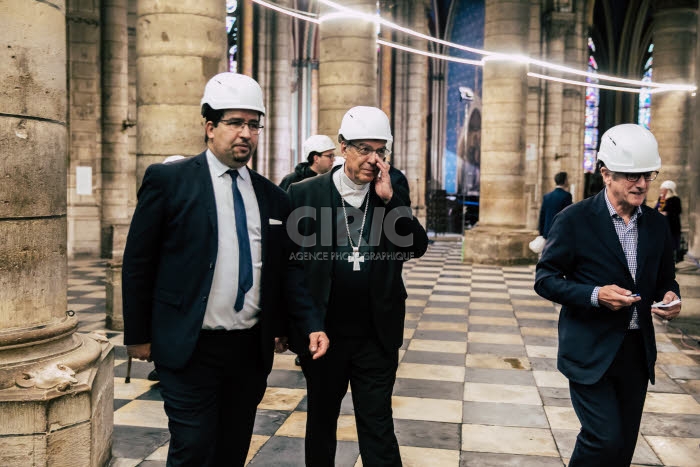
(609, 261)
(356, 230)
(553, 202)
(207, 280)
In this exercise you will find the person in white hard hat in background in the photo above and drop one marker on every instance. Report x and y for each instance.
(356, 231)
(669, 204)
(319, 151)
(608, 261)
(208, 285)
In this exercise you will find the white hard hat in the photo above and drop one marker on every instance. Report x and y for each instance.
(629, 148)
(669, 185)
(365, 123)
(317, 143)
(233, 91)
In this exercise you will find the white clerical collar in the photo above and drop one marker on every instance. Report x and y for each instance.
(353, 193)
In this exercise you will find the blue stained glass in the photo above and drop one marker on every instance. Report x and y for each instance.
(590, 138)
(591, 44)
(589, 158)
(644, 117)
(230, 20)
(231, 6)
(591, 117)
(592, 63)
(648, 64)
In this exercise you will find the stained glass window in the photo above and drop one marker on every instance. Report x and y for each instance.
(590, 135)
(644, 116)
(232, 22)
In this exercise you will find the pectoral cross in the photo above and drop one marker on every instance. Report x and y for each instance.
(356, 258)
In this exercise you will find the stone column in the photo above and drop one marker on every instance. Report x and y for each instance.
(280, 96)
(501, 236)
(693, 187)
(84, 131)
(675, 28)
(56, 386)
(118, 167)
(417, 112)
(179, 46)
(117, 170)
(557, 24)
(347, 65)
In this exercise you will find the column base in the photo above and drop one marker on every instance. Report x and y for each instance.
(115, 317)
(69, 423)
(498, 245)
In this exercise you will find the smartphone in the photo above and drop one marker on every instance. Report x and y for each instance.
(665, 305)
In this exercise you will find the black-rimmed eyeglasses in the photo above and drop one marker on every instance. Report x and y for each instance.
(367, 150)
(237, 124)
(648, 176)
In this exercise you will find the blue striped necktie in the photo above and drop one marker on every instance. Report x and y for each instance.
(245, 263)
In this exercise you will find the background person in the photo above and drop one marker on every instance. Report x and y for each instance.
(553, 202)
(607, 260)
(669, 204)
(207, 279)
(358, 287)
(319, 151)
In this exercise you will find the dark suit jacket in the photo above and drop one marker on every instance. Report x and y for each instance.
(552, 203)
(170, 256)
(583, 251)
(388, 297)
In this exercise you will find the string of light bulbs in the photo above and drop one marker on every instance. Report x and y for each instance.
(343, 12)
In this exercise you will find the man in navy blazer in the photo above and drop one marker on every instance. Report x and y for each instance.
(553, 202)
(608, 261)
(208, 285)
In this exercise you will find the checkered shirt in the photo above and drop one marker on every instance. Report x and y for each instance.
(628, 235)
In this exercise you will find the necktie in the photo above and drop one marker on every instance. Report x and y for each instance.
(245, 263)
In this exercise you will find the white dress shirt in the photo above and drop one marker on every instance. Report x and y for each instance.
(219, 313)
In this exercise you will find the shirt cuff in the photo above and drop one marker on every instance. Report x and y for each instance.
(594, 297)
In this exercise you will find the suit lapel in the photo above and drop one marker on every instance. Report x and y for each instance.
(643, 243)
(259, 189)
(208, 190)
(603, 224)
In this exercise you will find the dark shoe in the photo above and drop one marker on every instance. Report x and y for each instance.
(153, 376)
(297, 362)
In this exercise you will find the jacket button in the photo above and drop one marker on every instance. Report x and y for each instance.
(211, 265)
(204, 299)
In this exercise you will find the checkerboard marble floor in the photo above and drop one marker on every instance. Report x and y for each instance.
(477, 383)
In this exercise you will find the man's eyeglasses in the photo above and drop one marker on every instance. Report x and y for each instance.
(648, 176)
(237, 124)
(330, 156)
(367, 150)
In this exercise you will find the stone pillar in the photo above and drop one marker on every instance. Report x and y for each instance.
(179, 46)
(56, 386)
(84, 144)
(675, 30)
(118, 171)
(280, 95)
(347, 65)
(417, 112)
(693, 187)
(501, 236)
(556, 25)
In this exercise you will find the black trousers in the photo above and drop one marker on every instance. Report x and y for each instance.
(610, 410)
(211, 403)
(371, 373)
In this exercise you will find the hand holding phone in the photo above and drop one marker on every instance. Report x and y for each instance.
(665, 305)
